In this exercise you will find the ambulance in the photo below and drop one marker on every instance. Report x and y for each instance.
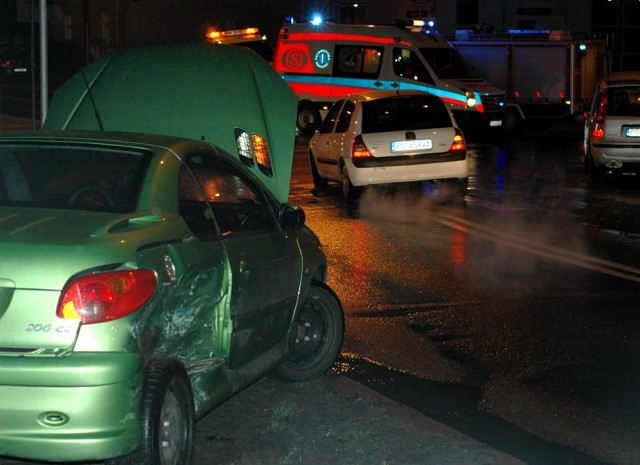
(322, 63)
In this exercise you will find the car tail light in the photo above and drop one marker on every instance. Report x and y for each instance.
(359, 150)
(598, 127)
(106, 296)
(598, 121)
(458, 143)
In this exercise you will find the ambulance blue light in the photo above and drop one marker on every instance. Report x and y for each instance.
(316, 20)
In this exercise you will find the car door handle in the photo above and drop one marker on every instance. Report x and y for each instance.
(377, 84)
(394, 85)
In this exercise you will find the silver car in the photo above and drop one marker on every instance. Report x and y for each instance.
(612, 127)
(388, 137)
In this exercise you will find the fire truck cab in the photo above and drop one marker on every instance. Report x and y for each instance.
(322, 63)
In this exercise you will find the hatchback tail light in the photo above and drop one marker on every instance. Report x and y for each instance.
(107, 296)
(598, 121)
(359, 150)
(458, 143)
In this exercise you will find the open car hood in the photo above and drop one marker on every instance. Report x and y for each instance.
(195, 90)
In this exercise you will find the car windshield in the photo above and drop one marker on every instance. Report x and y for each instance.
(624, 101)
(68, 177)
(401, 113)
(447, 63)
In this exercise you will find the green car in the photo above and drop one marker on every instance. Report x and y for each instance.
(147, 275)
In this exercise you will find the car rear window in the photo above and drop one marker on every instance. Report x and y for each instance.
(623, 101)
(404, 113)
(69, 177)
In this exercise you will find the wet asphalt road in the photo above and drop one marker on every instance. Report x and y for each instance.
(512, 317)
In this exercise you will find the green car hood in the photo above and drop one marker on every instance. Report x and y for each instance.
(195, 90)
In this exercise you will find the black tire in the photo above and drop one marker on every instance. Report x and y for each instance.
(309, 119)
(319, 334)
(349, 191)
(594, 172)
(166, 417)
(318, 181)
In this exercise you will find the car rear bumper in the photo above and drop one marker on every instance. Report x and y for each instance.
(407, 173)
(622, 153)
(92, 415)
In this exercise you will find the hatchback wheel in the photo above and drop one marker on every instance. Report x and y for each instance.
(166, 417)
(318, 181)
(319, 333)
(349, 191)
(594, 172)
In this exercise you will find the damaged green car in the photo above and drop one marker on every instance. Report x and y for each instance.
(151, 264)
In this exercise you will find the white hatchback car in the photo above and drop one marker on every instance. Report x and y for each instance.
(612, 128)
(385, 137)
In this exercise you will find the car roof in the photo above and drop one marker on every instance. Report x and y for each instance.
(380, 94)
(193, 90)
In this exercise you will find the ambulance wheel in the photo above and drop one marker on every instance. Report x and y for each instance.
(308, 119)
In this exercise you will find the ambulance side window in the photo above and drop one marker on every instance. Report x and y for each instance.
(358, 61)
(407, 64)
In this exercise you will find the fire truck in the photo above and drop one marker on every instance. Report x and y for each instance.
(322, 63)
(545, 74)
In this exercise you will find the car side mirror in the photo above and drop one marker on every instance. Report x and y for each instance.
(291, 216)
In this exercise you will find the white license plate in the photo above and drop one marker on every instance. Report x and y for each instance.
(407, 145)
(632, 132)
(20, 70)
(495, 123)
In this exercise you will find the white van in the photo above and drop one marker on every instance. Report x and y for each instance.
(325, 62)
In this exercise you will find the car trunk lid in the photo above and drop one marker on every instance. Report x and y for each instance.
(409, 142)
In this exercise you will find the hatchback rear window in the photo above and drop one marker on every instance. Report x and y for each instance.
(623, 101)
(403, 113)
(69, 177)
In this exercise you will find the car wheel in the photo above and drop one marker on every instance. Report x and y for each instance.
(594, 172)
(308, 119)
(349, 191)
(166, 417)
(319, 333)
(318, 181)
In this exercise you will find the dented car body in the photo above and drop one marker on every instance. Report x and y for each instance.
(147, 278)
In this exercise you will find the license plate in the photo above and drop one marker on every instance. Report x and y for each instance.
(632, 132)
(20, 70)
(495, 123)
(407, 145)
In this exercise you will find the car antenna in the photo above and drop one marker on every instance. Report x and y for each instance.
(93, 103)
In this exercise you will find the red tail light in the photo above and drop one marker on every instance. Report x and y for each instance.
(598, 127)
(359, 149)
(106, 296)
(458, 142)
